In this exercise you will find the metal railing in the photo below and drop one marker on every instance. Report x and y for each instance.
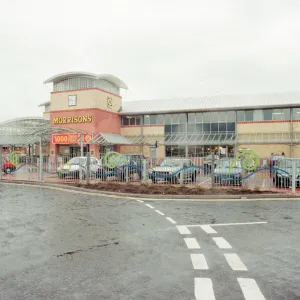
(282, 176)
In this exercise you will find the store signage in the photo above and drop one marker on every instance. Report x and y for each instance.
(70, 138)
(72, 120)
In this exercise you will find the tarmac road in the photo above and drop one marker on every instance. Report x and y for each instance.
(61, 245)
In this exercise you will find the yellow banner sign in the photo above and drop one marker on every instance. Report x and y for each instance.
(72, 120)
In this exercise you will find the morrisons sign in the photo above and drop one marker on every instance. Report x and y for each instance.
(72, 120)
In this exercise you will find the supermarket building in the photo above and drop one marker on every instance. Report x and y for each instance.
(92, 106)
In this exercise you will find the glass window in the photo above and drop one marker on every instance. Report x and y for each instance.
(160, 119)
(214, 118)
(214, 127)
(182, 128)
(199, 117)
(182, 118)
(248, 115)
(296, 113)
(241, 116)
(267, 114)
(199, 128)
(276, 114)
(231, 116)
(168, 128)
(286, 114)
(191, 118)
(175, 119)
(191, 127)
(153, 119)
(222, 116)
(168, 119)
(258, 115)
(131, 121)
(206, 127)
(231, 127)
(146, 120)
(125, 121)
(222, 127)
(137, 120)
(175, 128)
(206, 117)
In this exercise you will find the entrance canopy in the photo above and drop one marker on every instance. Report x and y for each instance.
(109, 139)
(32, 130)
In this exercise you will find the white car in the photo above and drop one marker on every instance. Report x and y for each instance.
(72, 168)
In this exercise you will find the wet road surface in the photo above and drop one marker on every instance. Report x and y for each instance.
(60, 245)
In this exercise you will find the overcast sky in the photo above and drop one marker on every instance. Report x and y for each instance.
(159, 48)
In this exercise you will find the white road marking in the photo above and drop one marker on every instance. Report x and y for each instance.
(192, 243)
(250, 289)
(222, 243)
(183, 230)
(235, 262)
(207, 229)
(204, 289)
(159, 212)
(171, 220)
(228, 224)
(139, 200)
(149, 206)
(199, 262)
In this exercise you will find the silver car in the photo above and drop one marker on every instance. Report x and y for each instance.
(172, 169)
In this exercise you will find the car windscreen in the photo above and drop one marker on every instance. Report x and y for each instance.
(225, 163)
(77, 161)
(171, 163)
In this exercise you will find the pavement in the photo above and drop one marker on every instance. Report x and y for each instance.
(74, 245)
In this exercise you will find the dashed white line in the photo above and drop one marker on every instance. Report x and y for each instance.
(199, 262)
(228, 224)
(235, 262)
(204, 289)
(149, 206)
(192, 243)
(159, 212)
(222, 243)
(171, 220)
(250, 289)
(183, 230)
(139, 200)
(208, 229)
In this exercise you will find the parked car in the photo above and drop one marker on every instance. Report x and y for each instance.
(283, 173)
(7, 166)
(171, 169)
(72, 168)
(208, 162)
(132, 164)
(228, 176)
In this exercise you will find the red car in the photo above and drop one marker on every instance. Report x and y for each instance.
(7, 166)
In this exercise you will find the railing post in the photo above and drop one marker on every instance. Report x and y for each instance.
(1, 163)
(212, 170)
(181, 172)
(127, 173)
(41, 160)
(294, 176)
(144, 171)
(88, 167)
